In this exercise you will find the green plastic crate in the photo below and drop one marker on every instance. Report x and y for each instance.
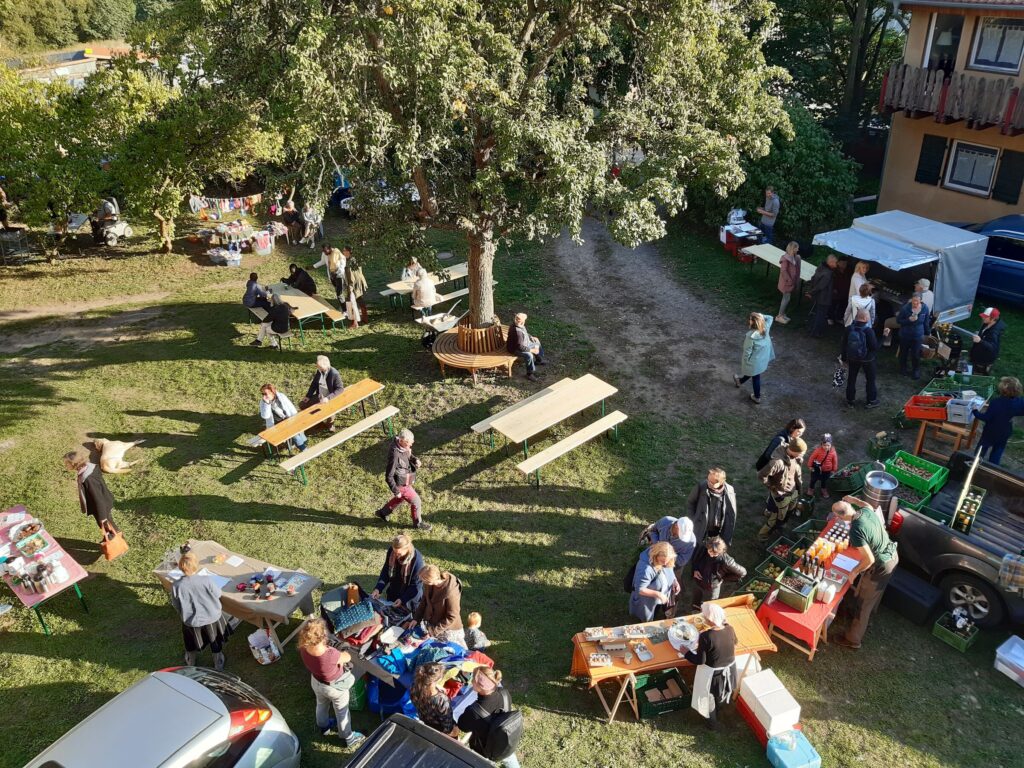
(935, 482)
(985, 386)
(952, 638)
(926, 496)
(811, 528)
(759, 586)
(772, 560)
(802, 543)
(357, 696)
(936, 515)
(658, 680)
(796, 600)
(851, 484)
(781, 540)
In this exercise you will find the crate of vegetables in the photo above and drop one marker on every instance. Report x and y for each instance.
(920, 474)
(799, 548)
(781, 548)
(956, 385)
(771, 567)
(927, 407)
(757, 586)
(911, 498)
(796, 589)
(848, 479)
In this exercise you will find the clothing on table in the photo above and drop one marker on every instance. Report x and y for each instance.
(758, 350)
(400, 578)
(436, 711)
(985, 352)
(441, 607)
(94, 496)
(334, 696)
(300, 280)
(683, 544)
(476, 640)
(998, 420)
(713, 513)
(646, 576)
(325, 668)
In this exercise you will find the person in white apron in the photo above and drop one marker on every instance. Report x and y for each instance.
(715, 657)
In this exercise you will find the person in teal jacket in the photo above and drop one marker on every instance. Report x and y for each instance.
(758, 352)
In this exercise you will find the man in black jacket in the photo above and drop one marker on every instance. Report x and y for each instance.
(400, 474)
(986, 342)
(860, 348)
(326, 385)
(711, 567)
(712, 505)
(820, 291)
(277, 320)
(299, 278)
(527, 347)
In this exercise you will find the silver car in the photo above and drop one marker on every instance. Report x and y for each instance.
(182, 717)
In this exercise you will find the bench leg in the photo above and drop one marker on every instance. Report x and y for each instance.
(538, 479)
(526, 448)
(602, 409)
(363, 406)
(323, 326)
(302, 334)
(389, 430)
(491, 431)
(302, 474)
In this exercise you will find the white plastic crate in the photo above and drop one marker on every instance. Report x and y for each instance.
(958, 411)
(1010, 659)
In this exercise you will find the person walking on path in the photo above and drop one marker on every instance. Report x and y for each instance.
(782, 476)
(758, 352)
(333, 261)
(355, 289)
(197, 600)
(712, 506)
(331, 678)
(913, 320)
(820, 291)
(789, 278)
(860, 352)
(769, 213)
(878, 560)
(400, 475)
(998, 417)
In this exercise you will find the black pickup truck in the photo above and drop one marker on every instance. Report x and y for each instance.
(966, 566)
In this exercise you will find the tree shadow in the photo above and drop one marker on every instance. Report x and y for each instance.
(209, 507)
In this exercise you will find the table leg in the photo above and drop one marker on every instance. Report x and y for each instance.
(602, 408)
(323, 326)
(611, 710)
(296, 631)
(526, 448)
(302, 334)
(39, 615)
(362, 405)
(491, 432)
(920, 438)
(302, 474)
(81, 599)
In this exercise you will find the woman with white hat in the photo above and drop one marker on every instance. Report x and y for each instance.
(715, 658)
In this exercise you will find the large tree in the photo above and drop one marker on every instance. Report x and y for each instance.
(504, 116)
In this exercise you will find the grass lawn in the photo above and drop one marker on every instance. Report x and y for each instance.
(539, 565)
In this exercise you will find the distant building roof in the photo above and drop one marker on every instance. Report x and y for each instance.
(973, 5)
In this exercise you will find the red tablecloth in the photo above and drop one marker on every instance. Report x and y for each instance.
(54, 553)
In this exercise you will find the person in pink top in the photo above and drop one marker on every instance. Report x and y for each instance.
(823, 462)
(789, 278)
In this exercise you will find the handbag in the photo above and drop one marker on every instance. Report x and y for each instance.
(113, 543)
(839, 377)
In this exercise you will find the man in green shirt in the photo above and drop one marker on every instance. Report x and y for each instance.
(878, 560)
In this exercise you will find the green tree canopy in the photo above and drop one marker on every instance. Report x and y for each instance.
(503, 115)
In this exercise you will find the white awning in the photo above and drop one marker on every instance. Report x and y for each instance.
(865, 245)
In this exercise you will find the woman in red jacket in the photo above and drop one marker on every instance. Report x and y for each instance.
(824, 462)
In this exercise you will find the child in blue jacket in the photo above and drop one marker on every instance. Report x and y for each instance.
(998, 418)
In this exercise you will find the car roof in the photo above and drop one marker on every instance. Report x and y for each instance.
(139, 728)
(1005, 226)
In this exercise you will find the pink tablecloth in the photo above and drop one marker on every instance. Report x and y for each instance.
(54, 553)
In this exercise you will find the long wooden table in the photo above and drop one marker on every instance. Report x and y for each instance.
(306, 307)
(772, 257)
(567, 400)
(305, 419)
(454, 272)
(751, 640)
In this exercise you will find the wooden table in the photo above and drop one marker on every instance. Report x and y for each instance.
(541, 414)
(54, 553)
(772, 257)
(306, 307)
(804, 630)
(455, 272)
(751, 639)
(244, 606)
(959, 436)
(305, 419)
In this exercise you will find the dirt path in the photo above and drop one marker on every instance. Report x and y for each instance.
(78, 307)
(674, 354)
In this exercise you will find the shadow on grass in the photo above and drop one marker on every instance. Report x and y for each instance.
(208, 507)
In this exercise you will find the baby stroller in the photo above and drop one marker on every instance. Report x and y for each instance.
(107, 225)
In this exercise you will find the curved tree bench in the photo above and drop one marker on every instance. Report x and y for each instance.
(446, 350)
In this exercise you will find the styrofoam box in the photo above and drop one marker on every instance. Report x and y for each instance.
(1010, 659)
(754, 687)
(777, 711)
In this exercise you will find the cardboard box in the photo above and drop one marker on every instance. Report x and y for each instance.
(777, 711)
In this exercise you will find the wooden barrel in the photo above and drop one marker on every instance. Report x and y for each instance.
(480, 341)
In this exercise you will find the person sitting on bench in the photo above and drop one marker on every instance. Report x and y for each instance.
(299, 279)
(277, 320)
(275, 406)
(255, 294)
(527, 347)
(326, 385)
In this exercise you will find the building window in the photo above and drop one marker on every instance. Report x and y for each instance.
(943, 42)
(998, 45)
(971, 168)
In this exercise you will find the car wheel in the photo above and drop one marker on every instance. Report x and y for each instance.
(982, 602)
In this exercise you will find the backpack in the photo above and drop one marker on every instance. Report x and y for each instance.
(856, 345)
(504, 731)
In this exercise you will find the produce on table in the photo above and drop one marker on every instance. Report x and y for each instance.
(771, 570)
(780, 550)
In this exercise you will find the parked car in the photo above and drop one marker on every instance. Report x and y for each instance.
(966, 566)
(181, 717)
(1002, 275)
(401, 741)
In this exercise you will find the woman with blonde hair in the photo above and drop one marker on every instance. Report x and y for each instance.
(399, 579)
(431, 700)
(789, 278)
(654, 582)
(758, 352)
(197, 600)
(859, 278)
(491, 699)
(331, 679)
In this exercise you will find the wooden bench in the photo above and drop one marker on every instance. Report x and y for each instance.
(575, 440)
(258, 312)
(446, 350)
(298, 461)
(485, 426)
(334, 315)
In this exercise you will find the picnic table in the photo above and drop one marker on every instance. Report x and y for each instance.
(751, 640)
(307, 418)
(306, 307)
(244, 606)
(804, 630)
(454, 272)
(772, 257)
(53, 553)
(572, 396)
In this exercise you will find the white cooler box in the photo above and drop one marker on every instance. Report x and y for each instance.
(1010, 659)
(773, 706)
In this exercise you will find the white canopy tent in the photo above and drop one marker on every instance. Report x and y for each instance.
(902, 241)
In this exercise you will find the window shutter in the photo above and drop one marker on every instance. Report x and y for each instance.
(1009, 178)
(929, 164)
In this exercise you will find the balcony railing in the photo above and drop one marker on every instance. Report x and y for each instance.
(981, 101)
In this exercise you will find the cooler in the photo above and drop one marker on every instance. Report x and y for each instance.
(755, 686)
(748, 716)
(802, 755)
(1010, 659)
(777, 711)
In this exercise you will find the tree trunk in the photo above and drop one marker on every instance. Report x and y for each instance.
(166, 231)
(481, 272)
(854, 69)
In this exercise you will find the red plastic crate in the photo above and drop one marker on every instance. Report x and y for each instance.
(926, 407)
(748, 714)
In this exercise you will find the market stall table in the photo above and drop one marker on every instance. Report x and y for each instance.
(53, 553)
(231, 569)
(751, 640)
(354, 394)
(772, 257)
(306, 307)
